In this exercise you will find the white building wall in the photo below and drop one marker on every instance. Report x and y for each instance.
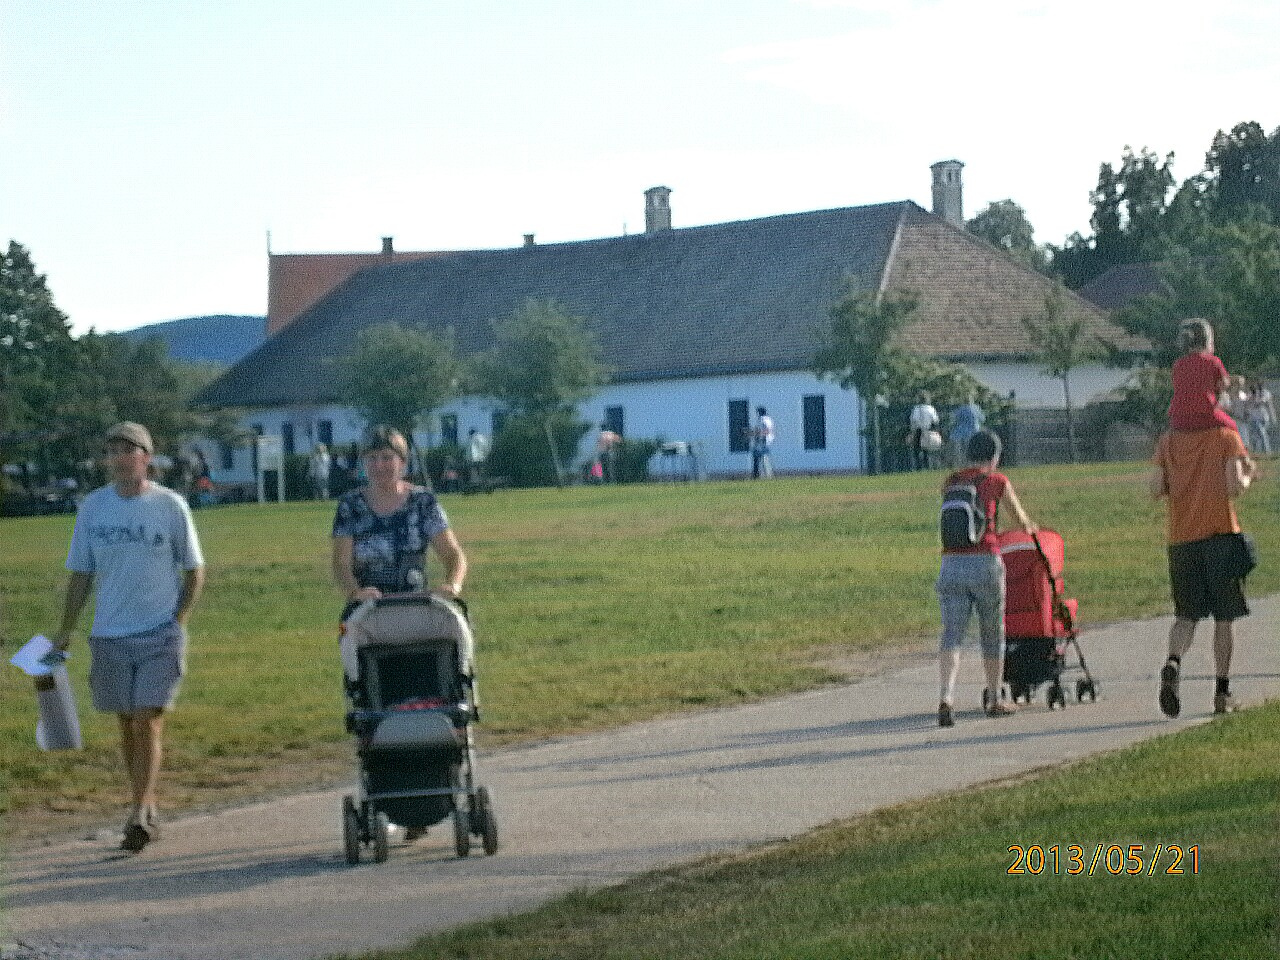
(1035, 390)
(691, 410)
(697, 411)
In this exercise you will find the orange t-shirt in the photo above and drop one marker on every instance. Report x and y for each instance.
(1195, 473)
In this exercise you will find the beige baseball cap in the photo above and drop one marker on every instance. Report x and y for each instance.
(135, 433)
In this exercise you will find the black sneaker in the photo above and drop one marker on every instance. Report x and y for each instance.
(944, 715)
(142, 828)
(1169, 702)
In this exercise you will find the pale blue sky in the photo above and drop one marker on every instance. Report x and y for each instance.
(147, 146)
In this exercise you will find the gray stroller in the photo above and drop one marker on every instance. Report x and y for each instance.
(408, 661)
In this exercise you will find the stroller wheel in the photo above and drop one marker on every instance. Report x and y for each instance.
(461, 830)
(1086, 688)
(381, 837)
(1056, 697)
(488, 822)
(350, 831)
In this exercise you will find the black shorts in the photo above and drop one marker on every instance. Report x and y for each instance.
(1200, 588)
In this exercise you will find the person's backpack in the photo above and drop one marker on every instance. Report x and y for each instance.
(963, 522)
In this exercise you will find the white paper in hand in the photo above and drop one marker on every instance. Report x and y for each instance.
(31, 658)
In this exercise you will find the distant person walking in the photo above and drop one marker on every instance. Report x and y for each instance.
(966, 420)
(604, 469)
(134, 541)
(318, 470)
(1201, 474)
(477, 452)
(923, 438)
(762, 438)
(972, 572)
(1260, 414)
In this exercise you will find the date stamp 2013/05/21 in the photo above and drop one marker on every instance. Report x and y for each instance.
(1114, 859)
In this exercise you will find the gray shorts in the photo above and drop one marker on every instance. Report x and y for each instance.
(138, 672)
(965, 582)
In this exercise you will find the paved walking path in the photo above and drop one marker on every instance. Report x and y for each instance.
(268, 881)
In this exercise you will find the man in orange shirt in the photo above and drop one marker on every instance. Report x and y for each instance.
(1202, 472)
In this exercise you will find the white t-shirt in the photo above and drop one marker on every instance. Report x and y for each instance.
(135, 547)
(924, 417)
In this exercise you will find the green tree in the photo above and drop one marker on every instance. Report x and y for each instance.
(544, 362)
(858, 349)
(1004, 225)
(1237, 289)
(1062, 343)
(36, 346)
(397, 377)
(1242, 170)
(1128, 211)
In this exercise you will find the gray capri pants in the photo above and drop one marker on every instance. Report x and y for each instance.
(139, 672)
(969, 580)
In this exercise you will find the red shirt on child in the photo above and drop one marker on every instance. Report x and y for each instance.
(1196, 380)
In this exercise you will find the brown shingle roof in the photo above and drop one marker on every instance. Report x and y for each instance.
(973, 297)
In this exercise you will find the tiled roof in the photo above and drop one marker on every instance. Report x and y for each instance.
(1120, 285)
(973, 299)
(747, 296)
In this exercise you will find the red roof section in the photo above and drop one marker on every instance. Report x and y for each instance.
(296, 281)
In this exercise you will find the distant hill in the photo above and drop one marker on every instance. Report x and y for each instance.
(220, 339)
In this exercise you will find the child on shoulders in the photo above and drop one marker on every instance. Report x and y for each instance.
(1198, 379)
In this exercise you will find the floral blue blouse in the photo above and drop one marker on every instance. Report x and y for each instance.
(387, 548)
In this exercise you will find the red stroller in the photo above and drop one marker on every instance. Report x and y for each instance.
(1039, 623)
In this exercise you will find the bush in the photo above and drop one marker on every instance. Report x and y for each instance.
(632, 458)
(437, 459)
(520, 453)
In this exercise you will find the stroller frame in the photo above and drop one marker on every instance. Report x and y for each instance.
(1042, 657)
(410, 685)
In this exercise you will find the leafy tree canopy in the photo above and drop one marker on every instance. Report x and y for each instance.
(1004, 225)
(1237, 290)
(397, 376)
(544, 360)
(857, 347)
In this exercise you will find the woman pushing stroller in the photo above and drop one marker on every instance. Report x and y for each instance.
(972, 572)
(381, 533)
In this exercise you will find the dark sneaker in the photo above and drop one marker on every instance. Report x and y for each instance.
(944, 715)
(1225, 703)
(142, 828)
(1170, 705)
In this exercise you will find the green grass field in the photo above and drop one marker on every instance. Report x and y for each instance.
(932, 879)
(592, 606)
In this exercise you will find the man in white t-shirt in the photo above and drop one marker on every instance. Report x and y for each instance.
(762, 438)
(135, 545)
(924, 439)
(478, 447)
